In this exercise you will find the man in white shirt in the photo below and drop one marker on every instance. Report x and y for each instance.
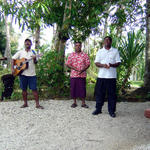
(107, 60)
(28, 76)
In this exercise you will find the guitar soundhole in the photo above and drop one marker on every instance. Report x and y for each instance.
(18, 67)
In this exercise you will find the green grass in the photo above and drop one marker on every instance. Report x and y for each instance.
(17, 94)
(137, 83)
(91, 86)
(90, 91)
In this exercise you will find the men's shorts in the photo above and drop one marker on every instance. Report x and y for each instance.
(78, 87)
(26, 81)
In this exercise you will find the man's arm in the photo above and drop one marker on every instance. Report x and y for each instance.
(115, 65)
(71, 67)
(3, 58)
(69, 63)
(98, 60)
(102, 65)
(87, 63)
(117, 60)
(84, 69)
(34, 59)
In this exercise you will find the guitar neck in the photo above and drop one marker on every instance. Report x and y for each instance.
(31, 59)
(28, 60)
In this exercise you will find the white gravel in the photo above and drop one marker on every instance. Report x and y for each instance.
(60, 127)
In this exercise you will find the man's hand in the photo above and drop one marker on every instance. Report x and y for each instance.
(106, 66)
(34, 57)
(84, 69)
(81, 71)
(114, 65)
(3, 58)
(71, 67)
(74, 68)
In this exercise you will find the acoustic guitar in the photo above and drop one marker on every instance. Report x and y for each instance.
(21, 64)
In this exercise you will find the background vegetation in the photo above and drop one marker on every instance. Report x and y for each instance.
(86, 20)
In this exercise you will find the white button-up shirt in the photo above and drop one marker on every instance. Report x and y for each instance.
(105, 56)
(30, 71)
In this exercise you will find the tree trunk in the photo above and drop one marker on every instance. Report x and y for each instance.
(55, 36)
(105, 27)
(120, 27)
(62, 32)
(57, 40)
(7, 49)
(86, 46)
(128, 73)
(147, 59)
(37, 37)
(119, 31)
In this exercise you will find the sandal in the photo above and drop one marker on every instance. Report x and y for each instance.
(74, 105)
(85, 106)
(40, 107)
(23, 106)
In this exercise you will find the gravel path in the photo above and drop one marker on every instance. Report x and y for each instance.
(60, 127)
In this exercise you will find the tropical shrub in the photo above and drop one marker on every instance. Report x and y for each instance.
(51, 76)
(131, 48)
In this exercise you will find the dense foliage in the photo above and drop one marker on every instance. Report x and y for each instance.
(2, 38)
(51, 77)
(77, 20)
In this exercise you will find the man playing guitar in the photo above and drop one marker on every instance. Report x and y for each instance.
(28, 76)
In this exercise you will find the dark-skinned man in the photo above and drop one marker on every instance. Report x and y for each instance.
(28, 76)
(107, 60)
(78, 62)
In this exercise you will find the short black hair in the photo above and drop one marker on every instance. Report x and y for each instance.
(28, 40)
(108, 38)
(77, 42)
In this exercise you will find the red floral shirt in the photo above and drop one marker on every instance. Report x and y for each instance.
(79, 61)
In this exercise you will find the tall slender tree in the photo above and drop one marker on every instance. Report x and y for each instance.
(7, 49)
(147, 63)
(2, 37)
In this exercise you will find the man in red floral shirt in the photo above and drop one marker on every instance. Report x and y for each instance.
(78, 62)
